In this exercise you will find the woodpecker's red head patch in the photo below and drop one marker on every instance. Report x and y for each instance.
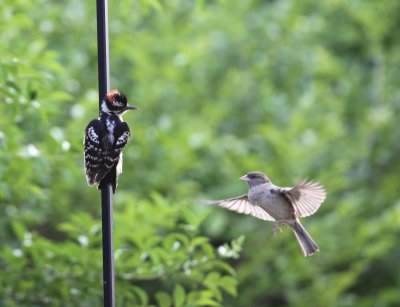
(111, 96)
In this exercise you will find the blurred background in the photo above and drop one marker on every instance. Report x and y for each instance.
(296, 89)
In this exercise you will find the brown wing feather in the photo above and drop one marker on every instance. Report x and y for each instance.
(241, 204)
(306, 197)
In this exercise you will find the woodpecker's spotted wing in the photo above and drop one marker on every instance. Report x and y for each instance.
(103, 152)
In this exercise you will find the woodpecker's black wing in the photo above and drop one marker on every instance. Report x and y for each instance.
(113, 162)
(94, 152)
(102, 152)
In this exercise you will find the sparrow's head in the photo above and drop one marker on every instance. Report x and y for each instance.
(255, 178)
(115, 102)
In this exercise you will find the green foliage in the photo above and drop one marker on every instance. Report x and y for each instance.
(165, 261)
(293, 88)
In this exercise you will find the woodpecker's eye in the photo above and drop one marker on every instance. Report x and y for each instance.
(120, 99)
(118, 96)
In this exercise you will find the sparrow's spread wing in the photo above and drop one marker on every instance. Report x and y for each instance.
(241, 204)
(306, 197)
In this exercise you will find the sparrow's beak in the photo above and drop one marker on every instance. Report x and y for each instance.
(244, 178)
(128, 107)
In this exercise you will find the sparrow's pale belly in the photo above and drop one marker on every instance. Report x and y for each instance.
(276, 205)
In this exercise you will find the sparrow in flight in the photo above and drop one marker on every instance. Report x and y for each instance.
(283, 205)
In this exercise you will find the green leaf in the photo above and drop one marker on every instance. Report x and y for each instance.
(163, 299)
(179, 295)
(212, 279)
(207, 302)
(224, 266)
(199, 241)
(229, 284)
(19, 230)
(142, 295)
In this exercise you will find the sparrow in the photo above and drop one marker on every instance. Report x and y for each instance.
(283, 205)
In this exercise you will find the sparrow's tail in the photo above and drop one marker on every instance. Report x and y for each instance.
(307, 244)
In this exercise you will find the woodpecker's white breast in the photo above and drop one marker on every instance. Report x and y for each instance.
(110, 128)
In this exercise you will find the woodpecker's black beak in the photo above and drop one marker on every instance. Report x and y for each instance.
(128, 107)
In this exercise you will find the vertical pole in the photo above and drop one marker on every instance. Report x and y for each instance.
(102, 48)
(106, 192)
(108, 246)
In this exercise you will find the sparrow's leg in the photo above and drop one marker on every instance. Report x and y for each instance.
(277, 224)
(275, 228)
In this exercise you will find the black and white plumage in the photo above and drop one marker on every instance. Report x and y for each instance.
(269, 202)
(105, 138)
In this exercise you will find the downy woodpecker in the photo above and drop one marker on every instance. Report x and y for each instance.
(105, 138)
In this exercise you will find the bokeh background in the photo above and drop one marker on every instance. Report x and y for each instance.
(297, 89)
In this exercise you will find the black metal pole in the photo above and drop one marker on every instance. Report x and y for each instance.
(106, 191)
(108, 246)
(102, 48)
